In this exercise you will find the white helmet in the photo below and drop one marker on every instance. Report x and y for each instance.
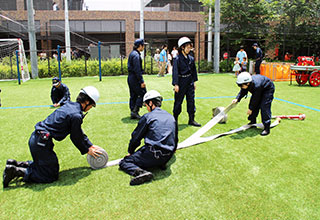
(244, 77)
(152, 94)
(183, 40)
(92, 92)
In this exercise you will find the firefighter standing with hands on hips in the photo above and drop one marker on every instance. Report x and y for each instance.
(60, 94)
(137, 86)
(64, 121)
(184, 76)
(262, 90)
(160, 133)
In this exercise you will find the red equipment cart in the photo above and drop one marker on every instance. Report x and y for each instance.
(305, 70)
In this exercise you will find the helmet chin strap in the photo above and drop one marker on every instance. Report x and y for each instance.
(150, 106)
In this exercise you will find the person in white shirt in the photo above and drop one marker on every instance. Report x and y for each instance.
(174, 52)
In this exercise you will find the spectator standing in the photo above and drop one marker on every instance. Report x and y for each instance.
(55, 6)
(244, 65)
(157, 58)
(236, 67)
(169, 66)
(259, 57)
(174, 53)
(241, 54)
(163, 60)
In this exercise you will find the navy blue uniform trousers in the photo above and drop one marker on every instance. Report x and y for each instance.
(186, 88)
(145, 157)
(136, 93)
(265, 106)
(45, 165)
(257, 66)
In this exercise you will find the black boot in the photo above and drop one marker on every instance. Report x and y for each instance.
(18, 163)
(193, 122)
(135, 113)
(266, 130)
(141, 176)
(11, 172)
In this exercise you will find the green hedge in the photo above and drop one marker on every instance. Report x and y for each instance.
(110, 67)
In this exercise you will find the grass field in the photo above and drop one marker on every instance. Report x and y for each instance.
(241, 176)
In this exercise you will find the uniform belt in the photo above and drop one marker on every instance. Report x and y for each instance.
(184, 76)
(157, 151)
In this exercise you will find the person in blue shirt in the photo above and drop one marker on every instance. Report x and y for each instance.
(58, 125)
(184, 76)
(259, 57)
(262, 90)
(163, 60)
(159, 131)
(60, 94)
(137, 86)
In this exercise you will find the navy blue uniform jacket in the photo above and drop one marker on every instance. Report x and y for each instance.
(259, 54)
(135, 67)
(64, 121)
(158, 128)
(257, 87)
(183, 66)
(61, 93)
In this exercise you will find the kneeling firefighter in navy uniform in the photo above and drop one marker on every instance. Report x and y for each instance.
(137, 86)
(262, 90)
(64, 121)
(160, 133)
(184, 76)
(60, 94)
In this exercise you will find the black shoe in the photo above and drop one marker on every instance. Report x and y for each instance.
(252, 122)
(8, 175)
(142, 178)
(194, 123)
(17, 164)
(135, 115)
(265, 132)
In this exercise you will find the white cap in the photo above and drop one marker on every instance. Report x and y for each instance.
(152, 94)
(183, 40)
(244, 77)
(92, 92)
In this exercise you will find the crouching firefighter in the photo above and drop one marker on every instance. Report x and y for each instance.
(64, 121)
(262, 90)
(159, 130)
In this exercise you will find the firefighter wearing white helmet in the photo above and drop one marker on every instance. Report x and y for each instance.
(64, 121)
(184, 76)
(159, 131)
(262, 90)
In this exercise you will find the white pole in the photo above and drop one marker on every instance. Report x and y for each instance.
(32, 40)
(67, 31)
(210, 35)
(141, 24)
(217, 36)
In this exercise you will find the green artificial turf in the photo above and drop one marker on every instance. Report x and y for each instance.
(241, 176)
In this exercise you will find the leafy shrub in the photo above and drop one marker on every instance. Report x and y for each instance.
(226, 66)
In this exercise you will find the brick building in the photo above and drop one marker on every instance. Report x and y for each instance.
(165, 22)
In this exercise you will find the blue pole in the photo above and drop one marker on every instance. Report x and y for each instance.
(59, 62)
(99, 49)
(18, 69)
